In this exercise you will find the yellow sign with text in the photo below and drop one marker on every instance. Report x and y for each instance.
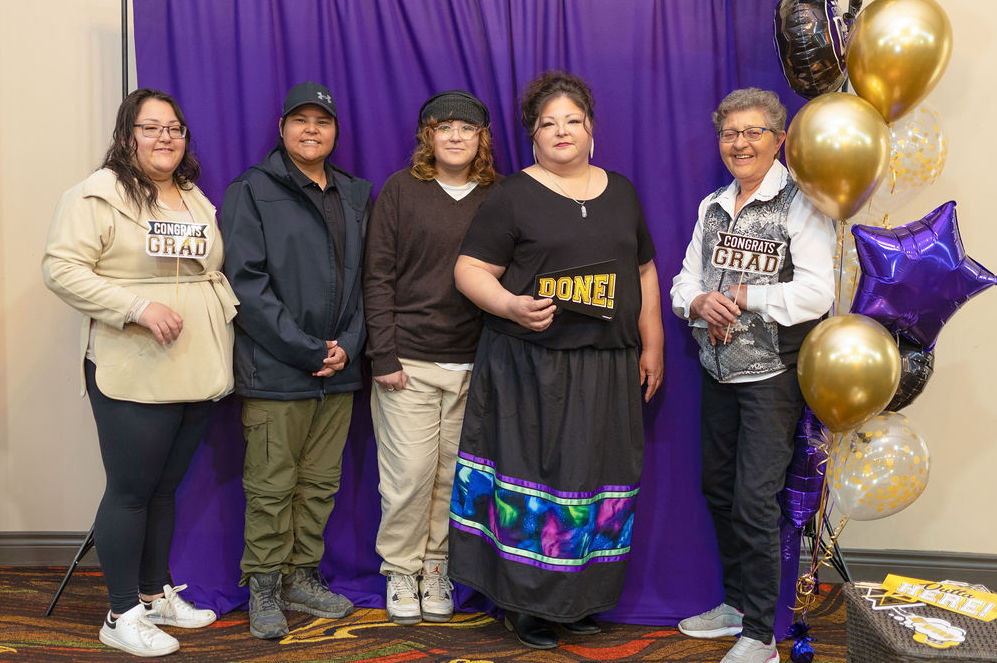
(963, 600)
(588, 289)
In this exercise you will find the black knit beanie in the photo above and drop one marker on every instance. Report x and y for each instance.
(454, 105)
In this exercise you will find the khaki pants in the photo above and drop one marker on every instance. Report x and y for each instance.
(294, 454)
(417, 431)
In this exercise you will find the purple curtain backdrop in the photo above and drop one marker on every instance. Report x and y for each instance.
(657, 69)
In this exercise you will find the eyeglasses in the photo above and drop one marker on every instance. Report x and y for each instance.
(174, 131)
(751, 134)
(465, 131)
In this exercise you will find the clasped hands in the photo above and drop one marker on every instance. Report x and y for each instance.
(720, 311)
(335, 360)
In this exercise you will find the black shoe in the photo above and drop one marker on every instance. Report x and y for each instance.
(584, 626)
(531, 631)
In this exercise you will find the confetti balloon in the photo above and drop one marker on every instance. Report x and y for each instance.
(917, 157)
(879, 468)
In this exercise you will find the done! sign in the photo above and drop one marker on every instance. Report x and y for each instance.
(748, 254)
(589, 289)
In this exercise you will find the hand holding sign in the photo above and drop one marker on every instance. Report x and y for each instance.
(718, 333)
(534, 314)
(587, 289)
(714, 308)
(164, 323)
(741, 253)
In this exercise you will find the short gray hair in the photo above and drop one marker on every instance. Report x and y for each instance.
(751, 98)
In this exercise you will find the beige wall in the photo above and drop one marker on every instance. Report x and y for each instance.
(957, 413)
(60, 67)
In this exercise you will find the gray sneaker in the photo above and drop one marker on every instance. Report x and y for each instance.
(716, 623)
(305, 591)
(748, 650)
(402, 599)
(436, 592)
(266, 620)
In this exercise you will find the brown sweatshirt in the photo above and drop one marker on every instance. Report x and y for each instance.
(412, 307)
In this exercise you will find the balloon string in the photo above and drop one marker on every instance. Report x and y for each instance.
(806, 584)
(825, 448)
(841, 267)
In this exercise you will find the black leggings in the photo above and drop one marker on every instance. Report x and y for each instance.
(146, 449)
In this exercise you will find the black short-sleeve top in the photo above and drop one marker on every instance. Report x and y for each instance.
(530, 229)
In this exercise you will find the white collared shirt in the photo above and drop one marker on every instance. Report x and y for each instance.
(811, 244)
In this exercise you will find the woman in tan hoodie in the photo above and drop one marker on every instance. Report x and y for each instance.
(135, 248)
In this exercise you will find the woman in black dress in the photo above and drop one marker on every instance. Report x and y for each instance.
(552, 444)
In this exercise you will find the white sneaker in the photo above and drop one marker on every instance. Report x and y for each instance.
(133, 633)
(436, 592)
(171, 610)
(716, 623)
(749, 650)
(402, 601)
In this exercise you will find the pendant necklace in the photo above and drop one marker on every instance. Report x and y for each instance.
(580, 203)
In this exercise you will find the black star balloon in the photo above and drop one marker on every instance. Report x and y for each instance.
(810, 36)
(916, 276)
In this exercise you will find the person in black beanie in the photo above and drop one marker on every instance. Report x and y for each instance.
(422, 338)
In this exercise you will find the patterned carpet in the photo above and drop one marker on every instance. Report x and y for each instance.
(70, 634)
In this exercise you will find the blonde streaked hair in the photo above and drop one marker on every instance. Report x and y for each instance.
(424, 156)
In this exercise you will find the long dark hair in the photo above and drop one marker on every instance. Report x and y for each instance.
(120, 156)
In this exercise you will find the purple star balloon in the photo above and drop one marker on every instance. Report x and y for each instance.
(800, 497)
(916, 276)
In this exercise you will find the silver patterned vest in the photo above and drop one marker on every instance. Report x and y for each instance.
(756, 347)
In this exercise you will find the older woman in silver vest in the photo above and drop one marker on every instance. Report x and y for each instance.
(757, 275)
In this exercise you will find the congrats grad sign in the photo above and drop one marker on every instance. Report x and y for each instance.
(748, 254)
(170, 239)
(589, 289)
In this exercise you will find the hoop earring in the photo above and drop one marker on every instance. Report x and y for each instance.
(533, 148)
(591, 147)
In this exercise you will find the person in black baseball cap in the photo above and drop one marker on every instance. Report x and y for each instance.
(309, 104)
(294, 227)
(309, 93)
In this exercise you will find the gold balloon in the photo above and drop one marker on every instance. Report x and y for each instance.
(897, 51)
(879, 468)
(849, 369)
(837, 149)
